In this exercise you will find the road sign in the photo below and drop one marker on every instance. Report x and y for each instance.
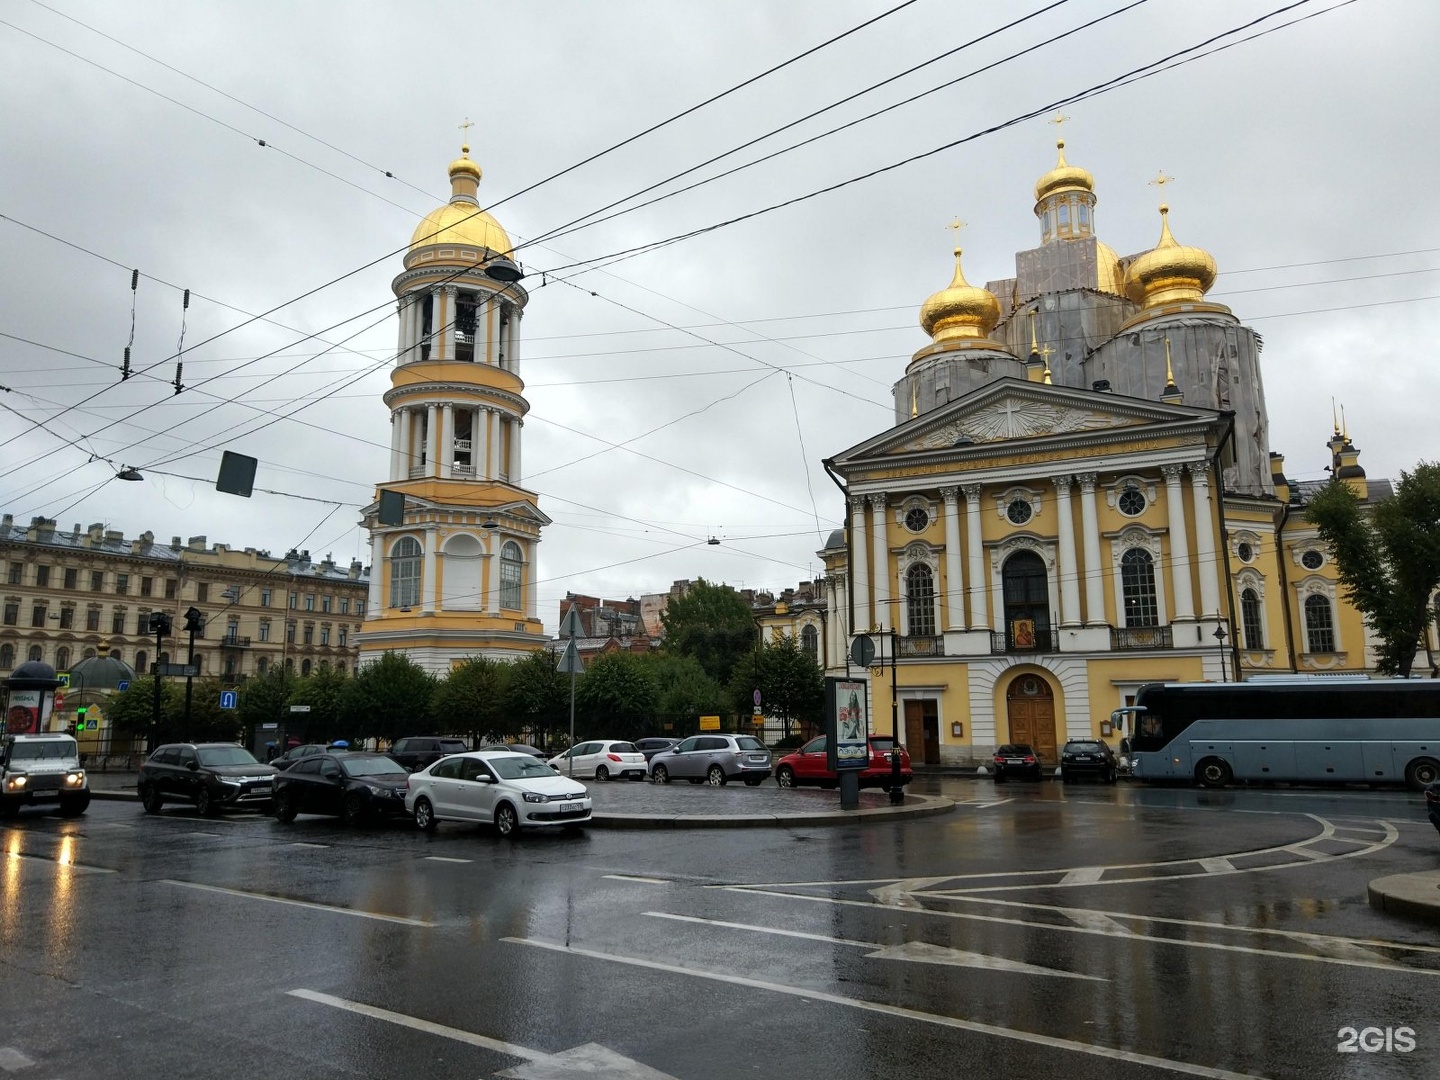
(709, 723)
(64, 678)
(123, 685)
(59, 701)
(91, 725)
(191, 670)
(299, 708)
(862, 650)
(570, 626)
(570, 663)
(229, 699)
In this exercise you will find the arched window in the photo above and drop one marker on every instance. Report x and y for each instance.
(305, 667)
(1026, 590)
(62, 658)
(1137, 584)
(35, 653)
(89, 653)
(140, 658)
(405, 558)
(1250, 620)
(262, 666)
(340, 667)
(810, 642)
(920, 598)
(7, 656)
(510, 575)
(1319, 624)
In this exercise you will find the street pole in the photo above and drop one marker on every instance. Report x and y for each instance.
(194, 621)
(897, 788)
(160, 624)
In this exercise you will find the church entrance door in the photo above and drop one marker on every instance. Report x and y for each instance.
(1030, 705)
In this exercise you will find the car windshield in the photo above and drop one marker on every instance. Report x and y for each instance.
(1084, 747)
(884, 745)
(520, 768)
(49, 750)
(371, 765)
(226, 755)
(623, 748)
(749, 742)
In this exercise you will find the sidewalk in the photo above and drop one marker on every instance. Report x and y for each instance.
(1417, 895)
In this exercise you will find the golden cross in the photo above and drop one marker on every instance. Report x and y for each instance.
(1160, 181)
(1046, 351)
(465, 129)
(1059, 122)
(956, 225)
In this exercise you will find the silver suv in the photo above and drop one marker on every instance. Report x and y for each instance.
(713, 759)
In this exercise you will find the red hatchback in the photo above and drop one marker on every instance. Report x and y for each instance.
(808, 765)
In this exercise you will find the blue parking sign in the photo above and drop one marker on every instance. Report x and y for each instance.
(123, 685)
(228, 699)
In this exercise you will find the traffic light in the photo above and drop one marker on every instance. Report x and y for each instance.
(160, 623)
(195, 620)
(80, 718)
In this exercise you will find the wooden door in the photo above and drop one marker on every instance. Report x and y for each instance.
(1030, 705)
(915, 730)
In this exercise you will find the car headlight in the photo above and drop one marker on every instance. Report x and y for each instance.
(531, 796)
(17, 782)
(75, 778)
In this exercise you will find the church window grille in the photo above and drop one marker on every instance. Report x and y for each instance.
(1131, 502)
(1312, 560)
(1019, 512)
(510, 572)
(1245, 551)
(920, 599)
(1250, 620)
(1137, 585)
(405, 560)
(1319, 624)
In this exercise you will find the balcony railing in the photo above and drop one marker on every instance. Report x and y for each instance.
(1037, 641)
(234, 641)
(920, 647)
(1141, 637)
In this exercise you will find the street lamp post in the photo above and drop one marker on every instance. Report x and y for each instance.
(1220, 636)
(897, 786)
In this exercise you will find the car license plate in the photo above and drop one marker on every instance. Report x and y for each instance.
(570, 807)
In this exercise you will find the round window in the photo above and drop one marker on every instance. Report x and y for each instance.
(1312, 560)
(1245, 551)
(1018, 511)
(1131, 502)
(916, 518)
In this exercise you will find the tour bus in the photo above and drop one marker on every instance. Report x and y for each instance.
(1304, 730)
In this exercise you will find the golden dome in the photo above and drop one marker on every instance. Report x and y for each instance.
(1064, 177)
(1171, 273)
(461, 222)
(1108, 277)
(960, 311)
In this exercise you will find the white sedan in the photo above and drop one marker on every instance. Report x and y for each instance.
(509, 790)
(602, 759)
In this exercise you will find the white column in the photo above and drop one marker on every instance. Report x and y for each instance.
(831, 620)
(496, 419)
(504, 328)
(407, 445)
(880, 553)
(1179, 544)
(512, 354)
(445, 321)
(860, 565)
(1090, 527)
(1069, 569)
(954, 583)
(402, 347)
(395, 444)
(1204, 539)
(515, 426)
(427, 581)
(411, 344)
(447, 441)
(977, 556)
(432, 440)
(377, 578)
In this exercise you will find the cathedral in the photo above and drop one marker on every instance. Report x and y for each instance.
(452, 531)
(1078, 497)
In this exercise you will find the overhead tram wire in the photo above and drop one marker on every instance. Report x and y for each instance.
(1134, 75)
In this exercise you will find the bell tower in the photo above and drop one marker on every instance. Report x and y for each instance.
(455, 577)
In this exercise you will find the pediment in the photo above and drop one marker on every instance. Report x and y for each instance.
(1014, 417)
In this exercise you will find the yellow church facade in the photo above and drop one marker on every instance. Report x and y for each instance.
(1077, 498)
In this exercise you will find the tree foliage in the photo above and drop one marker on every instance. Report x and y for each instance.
(711, 623)
(323, 690)
(791, 683)
(471, 698)
(684, 693)
(390, 698)
(616, 698)
(1388, 557)
(537, 697)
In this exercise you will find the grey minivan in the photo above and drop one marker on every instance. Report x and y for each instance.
(713, 759)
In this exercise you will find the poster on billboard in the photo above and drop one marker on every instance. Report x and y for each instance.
(23, 717)
(846, 728)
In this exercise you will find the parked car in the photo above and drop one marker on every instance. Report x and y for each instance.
(420, 750)
(357, 787)
(210, 775)
(602, 759)
(519, 748)
(808, 765)
(296, 753)
(652, 746)
(509, 790)
(713, 759)
(1017, 759)
(1088, 757)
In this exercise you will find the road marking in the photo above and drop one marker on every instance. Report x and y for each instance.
(902, 893)
(302, 843)
(1099, 931)
(974, 1026)
(51, 861)
(638, 879)
(445, 858)
(589, 1060)
(1083, 875)
(1096, 920)
(1219, 865)
(12, 1060)
(299, 903)
(920, 951)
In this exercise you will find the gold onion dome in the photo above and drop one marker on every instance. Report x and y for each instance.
(1170, 274)
(1064, 177)
(461, 222)
(960, 311)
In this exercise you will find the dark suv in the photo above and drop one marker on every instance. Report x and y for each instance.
(210, 775)
(418, 751)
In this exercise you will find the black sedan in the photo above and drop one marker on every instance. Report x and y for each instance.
(1016, 759)
(298, 753)
(1088, 757)
(357, 787)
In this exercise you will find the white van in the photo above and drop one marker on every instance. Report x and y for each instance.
(42, 769)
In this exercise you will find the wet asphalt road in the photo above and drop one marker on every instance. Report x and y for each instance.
(1038, 931)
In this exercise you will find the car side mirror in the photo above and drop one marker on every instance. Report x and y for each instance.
(1124, 746)
(192, 765)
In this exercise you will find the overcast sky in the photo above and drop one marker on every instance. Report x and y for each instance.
(1304, 161)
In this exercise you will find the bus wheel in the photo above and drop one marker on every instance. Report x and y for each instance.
(1212, 773)
(1422, 772)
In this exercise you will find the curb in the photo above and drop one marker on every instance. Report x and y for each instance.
(924, 806)
(1416, 895)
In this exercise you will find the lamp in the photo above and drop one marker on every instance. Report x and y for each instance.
(490, 523)
(1220, 637)
(503, 269)
(129, 473)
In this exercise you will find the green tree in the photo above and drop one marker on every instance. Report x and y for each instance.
(208, 721)
(471, 698)
(264, 700)
(791, 683)
(616, 698)
(1387, 556)
(684, 693)
(389, 699)
(537, 697)
(323, 690)
(133, 712)
(712, 623)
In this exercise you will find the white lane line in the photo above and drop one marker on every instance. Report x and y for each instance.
(919, 951)
(1308, 853)
(974, 1026)
(902, 893)
(302, 843)
(12, 1060)
(636, 878)
(416, 1024)
(1103, 932)
(403, 920)
(1098, 920)
(1215, 866)
(47, 860)
(446, 858)
(1083, 875)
